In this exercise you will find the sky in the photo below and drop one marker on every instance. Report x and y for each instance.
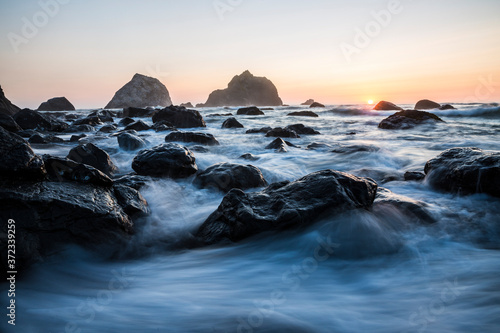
(334, 51)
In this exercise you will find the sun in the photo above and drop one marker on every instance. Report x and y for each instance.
(370, 101)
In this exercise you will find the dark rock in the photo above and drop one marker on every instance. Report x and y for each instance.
(316, 105)
(56, 104)
(447, 107)
(303, 114)
(279, 145)
(232, 123)
(302, 129)
(138, 126)
(163, 126)
(70, 117)
(201, 138)
(249, 157)
(75, 138)
(126, 121)
(246, 89)
(187, 105)
(226, 176)
(387, 106)
(250, 111)
(286, 205)
(8, 123)
(89, 120)
(105, 116)
(355, 149)
(180, 117)
(131, 200)
(166, 160)
(29, 119)
(44, 139)
(18, 159)
(317, 146)
(63, 169)
(219, 115)
(414, 176)
(108, 128)
(140, 92)
(258, 130)
(94, 156)
(426, 104)
(80, 128)
(408, 119)
(132, 112)
(380, 175)
(199, 149)
(279, 132)
(134, 181)
(308, 102)
(465, 171)
(6, 107)
(27, 133)
(130, 142)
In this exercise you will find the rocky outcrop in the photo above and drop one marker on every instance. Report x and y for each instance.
(29, 119)
(279, 145)
(387, 106)
(226, 176)
(6, 107)
(136, 112)
(308, 102)
(303, 114)
(130, 142)
(447, 107)
(141, 91)
(232, 123)
(250, 111)
(426, 104)
(138, 126)
(187, 105)
(201, 138)
(286, 205)
(56, 104)
(44, 139)
(126, 121)
(166, 160)
(302, 129)
(63, 169)
(94, 156)
(8, 123)
(408, 119)
(465, 171)
(246, 89)
(316, 105)
(180, 117)
(279, 132)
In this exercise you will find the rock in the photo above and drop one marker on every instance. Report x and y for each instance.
(126, 121)
(303, 114)
(132, 112)
(75, 138)
(29, 119)
(426, 104)
(138, 126)
(465, 171)
(351, 149)
(250, 111)
(56, 104)
(180, 117)
(199, 149)
(94, 156)
(187, 105)
(308, 102)
(447, 107)
(286, 205)
(414, 176)
(166, 160)
(232, 123)
(317, 146)
(202, 138)
(134, 181)
(159, 126)
(27, 133)
(219, 115)
(386, 106)
(131, 200)
(18, 159)
(302, 129)
(408, 119)
(108, 128)
(44, 139)
(89, 120)
(105, 116)
(258, 130)
(279, 132)
(200, 105)
(279, 145)
(140, 92)
(63, 169)
(130, 142)
(226, 176)
(249, 157)
(246, 89)
(316, 105)
(6, 107)
(267, 109)
(8, 123)
(80, 128)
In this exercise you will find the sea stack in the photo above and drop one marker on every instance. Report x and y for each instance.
(57, 104)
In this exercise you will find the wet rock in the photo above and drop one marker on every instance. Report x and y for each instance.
(108, 128)
(318, 146)
(44, 139)
(134, 181)
(302, 129)
(249, 157)
(232, 123)
(94, 156)
(76, 138)
(316, 105)
(131, 200)
(387, 106)
(180, 117)
(303, 114)
(105, 116)
(447, 107)
(345, 149)
(414, 176)
(219, 115)
(8, 123)
(286, 205)
(426, 104)
(89, 120)
(166, 160)
(56, 104)
(80, 128)
(279, 145)
(279, 132)
(201, 138)
(408, 119)
(63, 169)
(250, 111)
(226, 176)
(138, 126)
(199, 149)
(465, 171)
(29, 119)
(130, 142)
(258, 130)
(308, 102)
(163, 126)
(126, 121)
(132, 112)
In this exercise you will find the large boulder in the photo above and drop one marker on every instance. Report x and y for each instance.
(138, 126)
(250, 111)
(180, 117)
(64, 169)
(408, 119)
(94, 156)
(140, 92)
(303, 114)
(426, 104)
(187, 105)
(232, 123)
(317, 105)
(279, 132)
(465, 171)
(285, 205)
(136, 112)
(18, 159)
(387, 106)
(8, 123)
(246, 89)
(201, 138)
(29, 119)
(226, 176)
(130, 142)
(302, 129)
(6, 107)
(166, 160)
(56, 104)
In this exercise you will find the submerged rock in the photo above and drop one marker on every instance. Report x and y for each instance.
(387, 106)
(226, 176)
(138, 126)
(426, 104)
(465, 171)
(279, 132)
(108, 128)
(89, 120)
(250, 111)
(57, 104)
(232, 123)
(38, 138)
(8, 123)
(126, 121)
(286, 205)
(408, 119)
(94, 156)
(130, 142)
(414, 176)
(249, 157)
(180, 117)
(131, 200)
(279, 145)
(201, 138)
(303, 114)
(302, 129)
(447, 107)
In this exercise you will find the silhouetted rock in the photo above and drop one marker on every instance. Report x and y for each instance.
(226, 176)
(105, 116)
(75, 138)
(138, 126)
(126, 121)
(246, 89)
(250, 111)
(63, 169)
(316, 105)
(408, 119)
(200, 105)
(414, 176)
(89, 120)
(56, 104)
(465, 171)
(279, 145)
(180, 117)
(202, 138)
(131, 200)
(93, 156)
(136, 112)
(426, 104)
(249, 157)
(187, 105)
(166, 160)
(387, 106)
(110, 128)
(29, 119)
(130, 142)
(286, 205)
(8, 123)
(44, 139)
(447, 107)
(302, 129)
(308, 102)
(6, 107)
(140, 92)
(258, 130)
(279, 132)
(303, 114)
(232, 123)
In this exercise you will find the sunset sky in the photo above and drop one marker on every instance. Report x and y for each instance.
(445, 50)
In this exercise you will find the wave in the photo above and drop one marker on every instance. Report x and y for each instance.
(485, 112)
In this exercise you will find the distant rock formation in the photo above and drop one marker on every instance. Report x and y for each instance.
(56, 104)
(387, 106)
(141, 92)
(303, 114)
(187, 105)
(246, 89)
(250, 111)
(317, 105)
(426, 104)
(408, 119)
(6, 107)
(308, 102)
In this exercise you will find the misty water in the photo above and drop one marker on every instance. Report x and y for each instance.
(379, 270)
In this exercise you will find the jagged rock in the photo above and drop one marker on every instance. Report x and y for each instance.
(465, 171)
(414, 176)
(202, 138)
(279, 145)
(108, 128)
(250, 111)
(308, 102)
(94, 156)
(302, 129)
(138, 126)
(246, 89)
(166, 160)
(63, 169)
(258, 130)
(180, 117)
(316, 105)
(130, 142)
(232, 123)
(131, 200)
(126, 121)
(132, 112)
(44, 139)
(279, 132)
(200, 105)
(140, 92)
(387, 106)
(75, 138)
(426, 104)
(226, 176)
(8, 123)
(249, 157)
(303, 114)
(6, 107)
(187, 105)
(408, 119)
(105, 116)
(89, 120)
(29, 119)
(56, 104)
(351, 149)
(286, 205)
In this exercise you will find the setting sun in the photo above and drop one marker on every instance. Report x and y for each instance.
(370, 101)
